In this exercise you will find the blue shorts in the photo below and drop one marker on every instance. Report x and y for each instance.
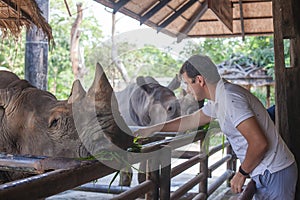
(277, 186)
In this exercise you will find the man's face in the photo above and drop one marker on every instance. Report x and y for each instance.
(193, 86)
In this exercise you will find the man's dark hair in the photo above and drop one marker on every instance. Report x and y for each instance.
(201, 65)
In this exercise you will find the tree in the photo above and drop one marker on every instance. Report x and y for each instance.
(13, 54)
(60, 73)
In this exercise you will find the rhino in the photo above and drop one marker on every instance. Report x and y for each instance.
(33, 121)
(146, 102)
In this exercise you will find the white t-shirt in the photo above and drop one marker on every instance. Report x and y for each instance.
(234, 104)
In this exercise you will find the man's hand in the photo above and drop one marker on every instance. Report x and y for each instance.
(237, 182)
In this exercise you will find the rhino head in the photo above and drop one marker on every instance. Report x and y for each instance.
(34, 122)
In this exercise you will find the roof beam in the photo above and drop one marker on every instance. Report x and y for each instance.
(119, 5)
(194, 19)
(242, 20)
(154, 10)
(223, 10)
(176, 14)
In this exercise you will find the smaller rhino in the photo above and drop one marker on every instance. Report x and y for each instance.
(146, 102)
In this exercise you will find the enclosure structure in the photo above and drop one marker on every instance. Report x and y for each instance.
(235, 21)
(54, 175)
(243, 71)
(234, 18)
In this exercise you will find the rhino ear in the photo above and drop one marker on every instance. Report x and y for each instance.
(77, 92)
(146, 83)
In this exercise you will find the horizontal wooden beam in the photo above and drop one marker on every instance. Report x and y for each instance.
(119, 5)
(176, 14)
(195, 18)
(153, 11)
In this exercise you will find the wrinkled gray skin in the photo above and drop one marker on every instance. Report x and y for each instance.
(34, 122)
(146, 102)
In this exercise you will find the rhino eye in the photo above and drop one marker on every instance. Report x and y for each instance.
(53, 123)
(170, 108)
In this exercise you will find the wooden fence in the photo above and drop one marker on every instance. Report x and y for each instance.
(55, 175)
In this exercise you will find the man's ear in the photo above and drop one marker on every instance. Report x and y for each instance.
(201, 80)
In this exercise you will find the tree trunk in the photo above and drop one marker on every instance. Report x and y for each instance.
(78, 66)
(114, 53)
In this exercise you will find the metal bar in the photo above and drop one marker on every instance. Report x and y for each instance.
(195, 18)
(90, 187)
(136, 191)
(154, 10)
(34, 164)
(220, 180)
(54, 182)
(187, 164)
(200, 196)
(30, 164)
(184, 154)
(218, 164)
(187, 186)
(176, 14)
(176, 142)
(218, 148)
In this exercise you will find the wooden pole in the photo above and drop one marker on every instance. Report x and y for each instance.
(36, 52)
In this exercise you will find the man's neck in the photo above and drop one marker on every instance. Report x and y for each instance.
(211, 91)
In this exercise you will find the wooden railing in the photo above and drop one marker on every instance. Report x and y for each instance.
(57, 175)
(161, 179)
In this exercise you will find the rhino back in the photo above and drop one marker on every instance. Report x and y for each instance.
(7, 78)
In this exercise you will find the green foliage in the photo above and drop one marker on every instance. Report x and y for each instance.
(60, 75)
(136, 146)
(150, 61)
(260, 49)
(12, 54)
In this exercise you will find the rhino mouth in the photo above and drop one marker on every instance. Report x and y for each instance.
(83, 152)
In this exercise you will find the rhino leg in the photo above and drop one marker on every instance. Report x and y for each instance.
(125, 177)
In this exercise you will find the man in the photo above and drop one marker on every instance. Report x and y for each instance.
(245, 122)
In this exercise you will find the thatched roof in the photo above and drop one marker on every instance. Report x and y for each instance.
(18, 14)
(243, 70)
(199, 18)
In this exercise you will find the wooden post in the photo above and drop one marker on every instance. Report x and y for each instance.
(287, 27)
(268, 96)
(203, 169)
(231, 164)
(36, 52)
(165, 174)
(153, 175)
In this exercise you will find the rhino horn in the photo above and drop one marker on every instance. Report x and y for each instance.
(100, 87)
(106, 103)
(77, 92)
(175, 83)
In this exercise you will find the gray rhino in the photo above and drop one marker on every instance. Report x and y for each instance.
(33, 121)
(146, 102)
